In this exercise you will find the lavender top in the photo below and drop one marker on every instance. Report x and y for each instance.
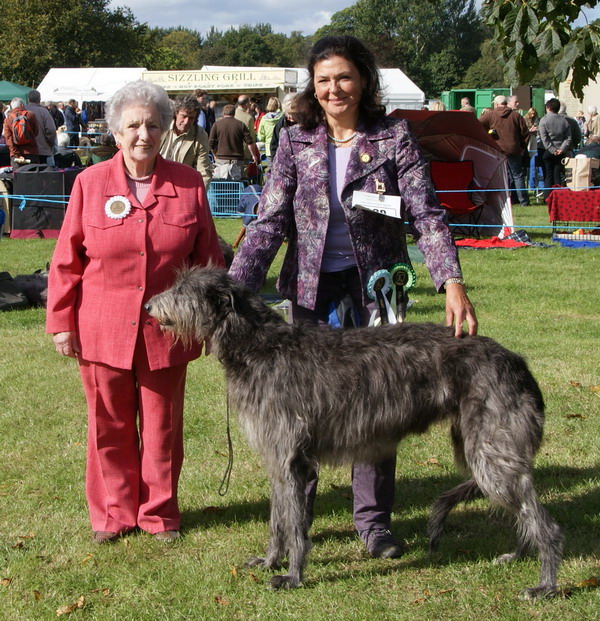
(338, 253)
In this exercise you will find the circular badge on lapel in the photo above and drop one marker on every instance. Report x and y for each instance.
(365, 158)
(117, 207)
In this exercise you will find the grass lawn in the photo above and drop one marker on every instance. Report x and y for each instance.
(541, 302)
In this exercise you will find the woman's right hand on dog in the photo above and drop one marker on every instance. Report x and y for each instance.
(66, 344)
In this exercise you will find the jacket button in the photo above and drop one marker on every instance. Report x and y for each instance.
(141, 288)
(147, 323)
(133, 323)
(141, 254)
(140, 220)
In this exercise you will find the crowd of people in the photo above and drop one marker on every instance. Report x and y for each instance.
(547, 139)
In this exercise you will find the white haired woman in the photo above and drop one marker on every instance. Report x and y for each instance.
(131, 222)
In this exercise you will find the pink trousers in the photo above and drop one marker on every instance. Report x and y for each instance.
(133, 468)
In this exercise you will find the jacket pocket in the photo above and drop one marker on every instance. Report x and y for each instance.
(180, 218)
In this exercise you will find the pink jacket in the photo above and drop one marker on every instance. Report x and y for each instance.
(104, 270)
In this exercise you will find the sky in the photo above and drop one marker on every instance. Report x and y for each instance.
(285, 16)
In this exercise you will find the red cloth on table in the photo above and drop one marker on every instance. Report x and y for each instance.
(570, 206)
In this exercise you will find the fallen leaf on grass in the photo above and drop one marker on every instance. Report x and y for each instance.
(88, 557)
(30, 536)
(67, 610)
(576, 416)
(589, 583)
(105, 591)
(37, 595)
(18, 545)
(234, 571)
(575, 384)
(432, 461)
(221, 601)
(421, 600)
(6, 581)
(595, 388)
(253, 577)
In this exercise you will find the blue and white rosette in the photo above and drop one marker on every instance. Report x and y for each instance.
(378, 287)
(403, 279)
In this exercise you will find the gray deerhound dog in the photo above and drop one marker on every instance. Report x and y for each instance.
(307, 395)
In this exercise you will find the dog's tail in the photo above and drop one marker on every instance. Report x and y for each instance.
(465, 492)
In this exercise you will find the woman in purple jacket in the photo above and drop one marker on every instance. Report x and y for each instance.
(344, 143)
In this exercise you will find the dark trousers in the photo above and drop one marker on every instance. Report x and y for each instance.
(553, 171)
(372, 485)
(516, 175)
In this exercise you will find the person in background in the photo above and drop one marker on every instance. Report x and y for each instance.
(555, 134)
(592, 127)
(344, 142)
(131, 223)
(437, 106)
(465, 105)
(227, 140)
(511, 133)
(185, 141)
(64, 157)
(591, 148)
(73, 121)
(21, 153)
(288, 106)
(573, 126)
(46, 137)
(267, 124)
(106, 149)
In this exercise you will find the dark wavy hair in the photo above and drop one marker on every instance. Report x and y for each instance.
(308, 110)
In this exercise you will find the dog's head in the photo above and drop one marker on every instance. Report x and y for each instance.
(201, 300)
(195, 305)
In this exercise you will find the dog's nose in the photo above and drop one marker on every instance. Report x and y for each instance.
(147, 307)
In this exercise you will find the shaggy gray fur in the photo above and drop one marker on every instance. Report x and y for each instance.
(307, 395)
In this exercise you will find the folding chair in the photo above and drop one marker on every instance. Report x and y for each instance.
(454, 184)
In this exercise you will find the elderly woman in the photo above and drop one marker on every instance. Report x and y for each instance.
(186, 141)
(132, 221)
(344, 143)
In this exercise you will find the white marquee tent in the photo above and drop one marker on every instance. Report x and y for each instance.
(86, 84)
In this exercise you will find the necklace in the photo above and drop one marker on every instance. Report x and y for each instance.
(342, 140)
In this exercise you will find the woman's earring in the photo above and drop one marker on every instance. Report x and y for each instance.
(316, 96)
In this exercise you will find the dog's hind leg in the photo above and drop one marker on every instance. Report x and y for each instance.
(469, 490)
(506, 480)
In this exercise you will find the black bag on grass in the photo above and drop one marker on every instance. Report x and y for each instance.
(11, 297)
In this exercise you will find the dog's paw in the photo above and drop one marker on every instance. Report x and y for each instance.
(284, 582)
(506, 558)
(257, 561)
(539, 592)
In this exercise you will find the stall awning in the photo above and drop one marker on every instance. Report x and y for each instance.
(223, 79)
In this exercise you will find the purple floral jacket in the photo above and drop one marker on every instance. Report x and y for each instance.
(295, 204)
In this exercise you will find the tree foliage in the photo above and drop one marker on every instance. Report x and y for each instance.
(432, 41)
(527, 31)
(39, 34)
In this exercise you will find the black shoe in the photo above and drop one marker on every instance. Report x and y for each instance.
(380, 543)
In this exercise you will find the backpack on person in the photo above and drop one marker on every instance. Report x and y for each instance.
(22, 130)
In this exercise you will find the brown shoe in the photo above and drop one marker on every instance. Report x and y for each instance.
(167, 536)
(103, 536)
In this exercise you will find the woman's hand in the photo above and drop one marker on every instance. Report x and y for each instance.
(66, 344)
(459, 309)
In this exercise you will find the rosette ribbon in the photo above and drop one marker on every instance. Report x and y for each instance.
(403, 279)
(378, 287)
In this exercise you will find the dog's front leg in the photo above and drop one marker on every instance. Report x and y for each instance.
(277, 535)
(292, 515)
